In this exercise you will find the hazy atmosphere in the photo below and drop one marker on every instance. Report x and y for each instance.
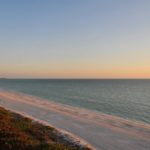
(74, 74)
(75, 39)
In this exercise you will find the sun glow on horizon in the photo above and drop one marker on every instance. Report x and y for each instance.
(75, 39)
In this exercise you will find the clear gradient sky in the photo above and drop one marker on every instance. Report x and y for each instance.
(75, 38)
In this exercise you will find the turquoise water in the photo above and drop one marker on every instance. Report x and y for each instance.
(124, 98)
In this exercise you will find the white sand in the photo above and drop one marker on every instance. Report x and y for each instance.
(103, 131)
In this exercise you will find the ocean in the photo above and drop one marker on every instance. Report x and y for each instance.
(126, 98)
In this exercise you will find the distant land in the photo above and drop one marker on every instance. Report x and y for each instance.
(3, 78)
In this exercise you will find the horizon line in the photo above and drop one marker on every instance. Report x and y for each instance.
(5, 78)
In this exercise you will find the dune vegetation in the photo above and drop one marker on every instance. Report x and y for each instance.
(21, 133)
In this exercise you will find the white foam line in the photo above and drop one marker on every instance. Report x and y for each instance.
(74, 111)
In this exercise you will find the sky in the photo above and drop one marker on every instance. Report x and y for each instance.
(75, 38)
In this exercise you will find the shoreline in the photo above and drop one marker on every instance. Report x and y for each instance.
(63, 137)
(100, 130)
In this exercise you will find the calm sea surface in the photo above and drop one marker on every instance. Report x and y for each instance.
(124, 98)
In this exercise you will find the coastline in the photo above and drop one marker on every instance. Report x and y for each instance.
(100, 130)
(67, 140)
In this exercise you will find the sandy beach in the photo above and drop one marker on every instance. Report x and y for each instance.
(101, 131)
